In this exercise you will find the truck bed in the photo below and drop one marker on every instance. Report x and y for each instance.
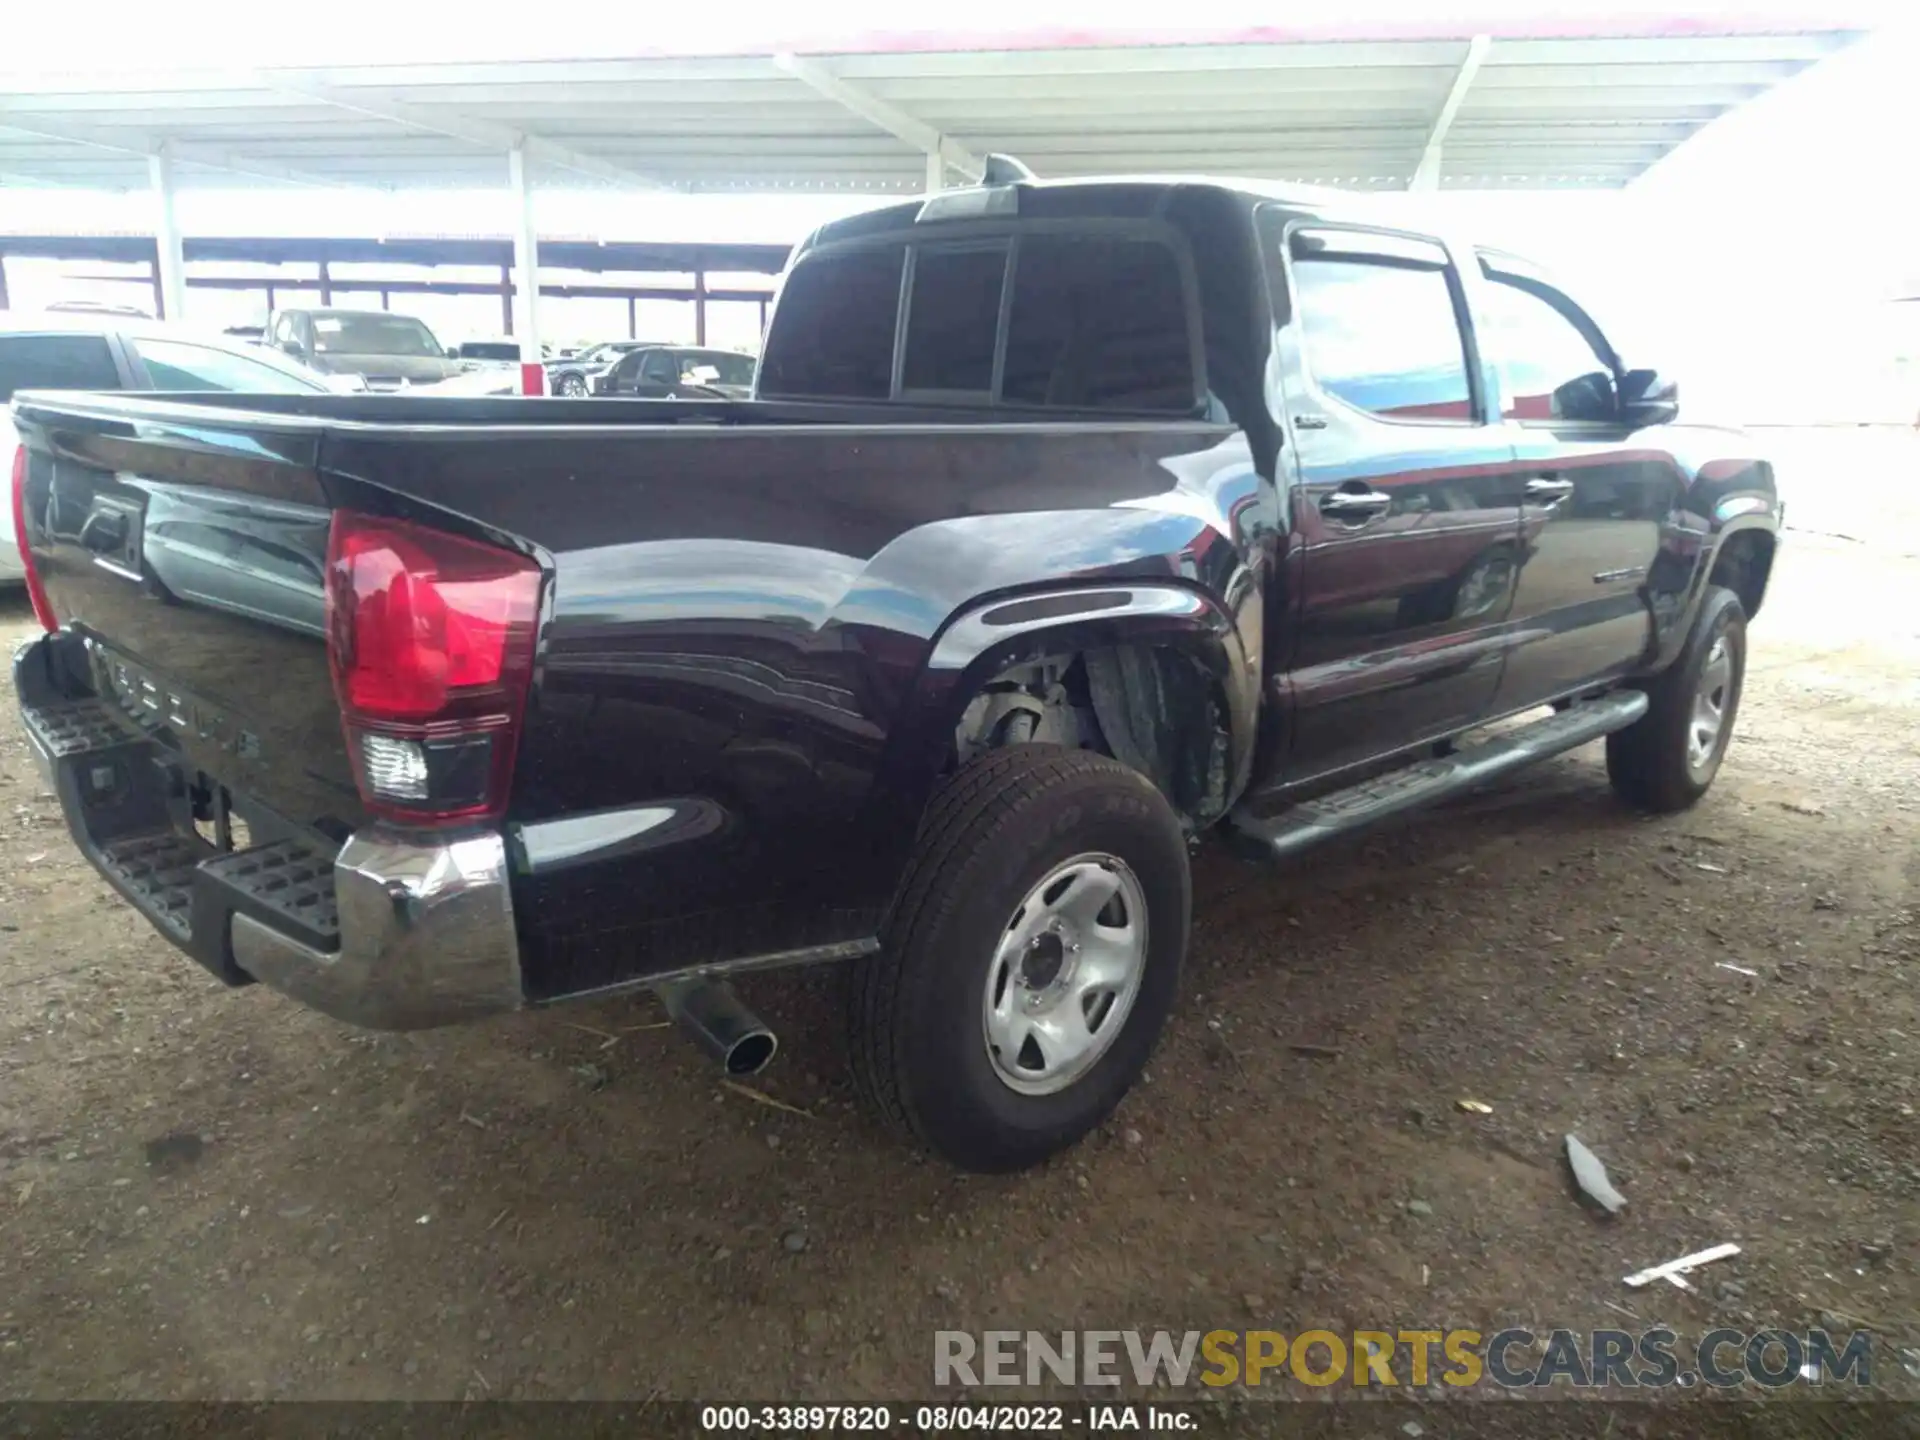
(739, 609)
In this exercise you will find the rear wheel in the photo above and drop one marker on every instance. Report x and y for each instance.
(1030, 961)
(573, 385)
(1668, 758)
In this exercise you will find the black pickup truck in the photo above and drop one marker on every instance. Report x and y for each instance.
(1067, 522)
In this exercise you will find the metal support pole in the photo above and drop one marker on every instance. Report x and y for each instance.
(526, 261)
(506, 300)
(633, 319)
(5, 303)
(326, 284)
(936, 172)
(170, 263)
(700, 307)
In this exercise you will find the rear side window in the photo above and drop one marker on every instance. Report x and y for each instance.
(1098, 324)
(55, 362)
(953, 319)
(833, 335)
(1384, 338)
(174, 365)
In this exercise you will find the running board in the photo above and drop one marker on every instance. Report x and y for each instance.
(1299, 827)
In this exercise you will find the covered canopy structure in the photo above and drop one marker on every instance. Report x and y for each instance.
(1553, 103)
(1414, 105)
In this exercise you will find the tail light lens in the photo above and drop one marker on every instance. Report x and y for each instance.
(430, 638)
(36, 592)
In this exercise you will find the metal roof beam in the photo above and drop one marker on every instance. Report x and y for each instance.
(486, 134)
(887, 116)
(1426, 175)
(208, 157)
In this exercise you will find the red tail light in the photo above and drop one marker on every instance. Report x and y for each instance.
(36, 592)
(430, 638)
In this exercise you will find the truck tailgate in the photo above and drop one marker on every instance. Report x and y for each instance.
(191, 556)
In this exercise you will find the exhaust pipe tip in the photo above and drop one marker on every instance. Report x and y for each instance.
(751, 1053)
(719, 1024)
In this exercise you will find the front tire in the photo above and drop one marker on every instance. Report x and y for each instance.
(1667, 759)
(572, 386)
(1030, 961)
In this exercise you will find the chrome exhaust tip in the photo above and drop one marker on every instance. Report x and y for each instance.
(719, 1024)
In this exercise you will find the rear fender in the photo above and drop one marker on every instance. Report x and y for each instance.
(987, 639)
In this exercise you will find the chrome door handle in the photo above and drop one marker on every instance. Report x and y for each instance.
(1549, 491)
(1355, 505)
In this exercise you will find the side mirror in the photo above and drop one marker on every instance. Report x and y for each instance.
(1648, 398)
(292, 347)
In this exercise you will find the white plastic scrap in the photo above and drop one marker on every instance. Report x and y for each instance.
(1737, 969)
(1673, 1271)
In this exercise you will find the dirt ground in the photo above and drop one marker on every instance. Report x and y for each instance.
(208, 1193)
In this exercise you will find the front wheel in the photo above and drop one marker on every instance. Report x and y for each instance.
(573, 385)
(1667, 759)
(1030, 961)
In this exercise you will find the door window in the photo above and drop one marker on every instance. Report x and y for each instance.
(1384, 337)
(660, 368)
(55, 362)
(174, 365)
(1550, 369)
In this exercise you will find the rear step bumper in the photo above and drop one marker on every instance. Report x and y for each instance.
(391, 932)
(1299, 827)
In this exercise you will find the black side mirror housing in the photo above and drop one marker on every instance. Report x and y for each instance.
(1648, 398)
(292, 347)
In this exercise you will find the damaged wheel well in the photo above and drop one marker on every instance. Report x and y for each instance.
(1152, 707)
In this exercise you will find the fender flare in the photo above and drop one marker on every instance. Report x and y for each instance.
(1742, 514)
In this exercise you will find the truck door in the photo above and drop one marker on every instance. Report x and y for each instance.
(1405, 510)
(1594, 492)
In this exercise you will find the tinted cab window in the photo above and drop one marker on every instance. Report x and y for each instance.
(833, 331)
(55, 362)
(1092, 322)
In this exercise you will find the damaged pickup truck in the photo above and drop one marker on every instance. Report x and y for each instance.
(1067, 522)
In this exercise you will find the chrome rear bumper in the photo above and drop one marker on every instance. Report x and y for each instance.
(393, 931)
(426, 936)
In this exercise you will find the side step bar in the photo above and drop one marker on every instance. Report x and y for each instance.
(1300, 827)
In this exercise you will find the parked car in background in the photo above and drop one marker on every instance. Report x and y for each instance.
(672, 372)
(482, 380)
(98, 307)
(390, 352)
(101, 349)
(504, 351)
(576, 376)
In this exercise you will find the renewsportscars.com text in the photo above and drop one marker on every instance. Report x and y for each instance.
(1513, 1359)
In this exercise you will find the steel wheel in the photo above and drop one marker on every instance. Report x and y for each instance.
(1709, 707)
(1065, 975)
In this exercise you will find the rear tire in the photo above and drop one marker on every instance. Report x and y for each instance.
(957, 968)
(1667, 759)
